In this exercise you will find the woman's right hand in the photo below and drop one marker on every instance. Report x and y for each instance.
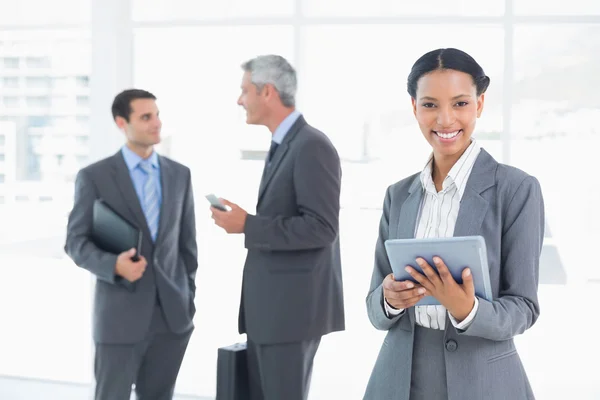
(402, 294)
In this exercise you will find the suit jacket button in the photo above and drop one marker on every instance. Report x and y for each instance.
(451, 345)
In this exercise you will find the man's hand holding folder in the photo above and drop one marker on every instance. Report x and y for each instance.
(129, 269)
(115, 234)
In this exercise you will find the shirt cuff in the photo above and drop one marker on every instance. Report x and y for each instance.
(467, 321)
(390, 311)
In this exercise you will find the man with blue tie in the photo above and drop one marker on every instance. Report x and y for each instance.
(143, 310)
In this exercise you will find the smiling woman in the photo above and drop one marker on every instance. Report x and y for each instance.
(447, 92)
(462, 191)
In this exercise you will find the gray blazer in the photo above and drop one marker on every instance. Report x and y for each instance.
(120, 315)
(505, 206)
(292, 280)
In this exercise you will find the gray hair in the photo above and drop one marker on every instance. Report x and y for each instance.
(277, 71)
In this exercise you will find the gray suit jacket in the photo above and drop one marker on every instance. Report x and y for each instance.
(292, 280)
(120, 315)
(505, 206)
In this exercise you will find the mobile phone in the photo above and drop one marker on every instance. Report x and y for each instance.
(214, 202)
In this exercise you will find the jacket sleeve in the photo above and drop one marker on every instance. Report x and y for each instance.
(516, 309)
(79, 247)
(382, 268)
(188, 247)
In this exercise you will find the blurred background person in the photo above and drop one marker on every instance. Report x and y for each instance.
(143, 310)
(292, 280)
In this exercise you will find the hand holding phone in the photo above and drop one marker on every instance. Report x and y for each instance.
(214, 202)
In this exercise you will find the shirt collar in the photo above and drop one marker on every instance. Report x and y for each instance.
(458, 174)
(285, 126)
(132, 160)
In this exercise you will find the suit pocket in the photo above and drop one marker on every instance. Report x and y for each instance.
(506, 377)
(286, 269)
(502, 356)
(285, 262)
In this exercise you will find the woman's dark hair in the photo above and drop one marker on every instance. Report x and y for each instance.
(442, 59)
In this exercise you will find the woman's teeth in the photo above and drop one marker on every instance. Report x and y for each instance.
(447, 135)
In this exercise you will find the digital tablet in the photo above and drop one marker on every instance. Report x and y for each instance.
(456, 252)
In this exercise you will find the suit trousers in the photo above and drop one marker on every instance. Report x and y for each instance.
(152, 365)
(428, 379)
(281, 371)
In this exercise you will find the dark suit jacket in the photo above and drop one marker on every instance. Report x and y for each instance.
(121, 315)
(292, 284)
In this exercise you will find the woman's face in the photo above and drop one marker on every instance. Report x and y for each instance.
(446, 108)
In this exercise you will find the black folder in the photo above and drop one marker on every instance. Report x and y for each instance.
(232, 373)
(113, 233)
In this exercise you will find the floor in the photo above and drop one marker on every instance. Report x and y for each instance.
(35, 389)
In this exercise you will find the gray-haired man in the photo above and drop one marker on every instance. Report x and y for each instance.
(292, 285)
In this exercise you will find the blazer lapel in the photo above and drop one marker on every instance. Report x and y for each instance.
(167, 182)
(405, 227)
(269, 170)
(125, 185)
(473, 206)
(407, 220)
(280, 153)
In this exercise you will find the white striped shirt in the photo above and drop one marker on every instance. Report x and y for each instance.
(437, 218)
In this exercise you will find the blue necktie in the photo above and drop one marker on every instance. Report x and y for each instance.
(150, 206)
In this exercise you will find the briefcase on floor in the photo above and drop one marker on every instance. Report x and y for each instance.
(232, 373)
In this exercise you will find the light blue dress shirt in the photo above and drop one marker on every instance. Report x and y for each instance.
(285, 126)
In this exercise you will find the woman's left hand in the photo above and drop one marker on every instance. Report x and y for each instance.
(459, 299)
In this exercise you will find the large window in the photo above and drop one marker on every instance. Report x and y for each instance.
(39, 12)
(556, 7)
(353, 58)
(173, 10)
(45, 299)
(555, 135)
(386, 8)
